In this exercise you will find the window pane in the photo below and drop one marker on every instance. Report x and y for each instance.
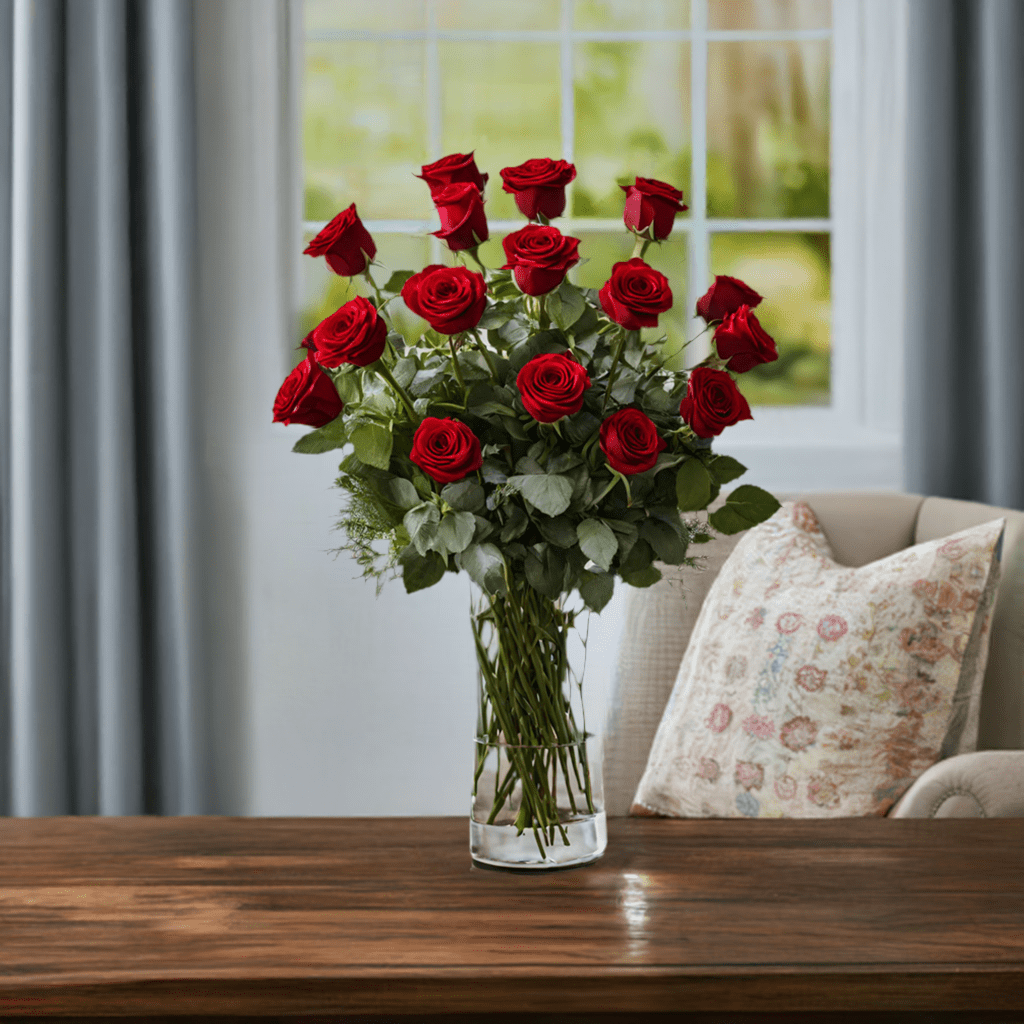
(632, 118)
(363, 129)
(626, 15)
(486, 15)
(602, 249)
(380, 16)
(793, 273)
(324, 291)
(768, 129)
(502, 101)
(769, 14)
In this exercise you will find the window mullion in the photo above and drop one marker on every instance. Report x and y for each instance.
(434, 131)
(698, 248)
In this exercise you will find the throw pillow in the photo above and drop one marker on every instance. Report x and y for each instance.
(810, 689)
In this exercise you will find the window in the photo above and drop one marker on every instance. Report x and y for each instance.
(734, 101)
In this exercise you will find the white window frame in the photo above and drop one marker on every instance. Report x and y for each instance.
(856, 441)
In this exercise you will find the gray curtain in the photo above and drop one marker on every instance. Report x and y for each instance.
(964, 425)
(101, 692)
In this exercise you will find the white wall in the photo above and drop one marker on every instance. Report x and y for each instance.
(327, 700)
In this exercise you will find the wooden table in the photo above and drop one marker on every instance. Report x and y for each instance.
(714, 920)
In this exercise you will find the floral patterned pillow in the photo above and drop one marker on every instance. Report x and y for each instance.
(810, 689)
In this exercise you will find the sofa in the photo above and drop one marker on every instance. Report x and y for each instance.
(861, 527)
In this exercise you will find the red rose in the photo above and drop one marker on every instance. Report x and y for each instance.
(463, 222)
(356, 334)
(552, 386)
(343, 242)
(450, 299)
(650, 201)
(743, 341)
(725, 296)
(450, 170)
(635, 294)
(631, 442)
(712, 402)
(307, 396)
(445, 450)
(539, 257)
(539, 186)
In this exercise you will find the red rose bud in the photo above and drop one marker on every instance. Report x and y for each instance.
(343, 243)
(463, 222)
(725, 296)
(445, 449)
(552, 386)
(635, 294)
(539, 257)
(355, 334)
(712, 402)
(307, 396)
(450, 299)
(631, 442)
(649, 201)
(741, 340)
(539, 186)
(452, 170)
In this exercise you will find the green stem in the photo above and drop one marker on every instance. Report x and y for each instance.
(641, 247)
(455, 363)
(613, 370)
(488, 357)
(398, 389)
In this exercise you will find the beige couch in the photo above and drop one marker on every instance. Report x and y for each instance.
(861, 527)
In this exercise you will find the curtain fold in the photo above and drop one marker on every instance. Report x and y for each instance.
(964, 414)
(102, 706)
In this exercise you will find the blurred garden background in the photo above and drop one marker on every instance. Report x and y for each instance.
(614, 85)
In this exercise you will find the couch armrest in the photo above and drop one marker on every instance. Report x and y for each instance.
(985, 784)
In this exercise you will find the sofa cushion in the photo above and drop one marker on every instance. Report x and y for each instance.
(810, 689)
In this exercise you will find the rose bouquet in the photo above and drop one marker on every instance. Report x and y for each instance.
(532, 437)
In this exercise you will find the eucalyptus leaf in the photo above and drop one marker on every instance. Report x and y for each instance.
(421, 523)
(485, 566)
(545, 573)
(456, 531)
(347, 386)
(516, 524)
(548, 494)
(420, 571)
(329, 436)
(465, 495)
(596, 589)
(624, 388)
(404, 370)
(745, 507)
(372, 444)
(402, 493)
(565, 305)
(693, 486)
(597, 541)
(497, 315)
(581, 426)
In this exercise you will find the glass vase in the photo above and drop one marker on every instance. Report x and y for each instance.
(537, 793)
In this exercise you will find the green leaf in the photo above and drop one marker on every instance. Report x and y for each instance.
(456, 531)
(513, 332)
(548, 494)
(637, 561)
(465, 495)
(347, 386)
(396, 280)
(596, 589)
(565, 305)
(693, 486)
(404, 370)
(497, 315)
(644, 578)
(420, 571)
(424, 381)
(516, 525)
(597, 542)
(725, 468)
(372, 444)
(581, 427)
(329, 436)
(745, 507)
(402, 492)
(624, 388)
(657, 399)
(421, 524)
(667, 544)
(558, 531)
(546, 572)
(485, 566)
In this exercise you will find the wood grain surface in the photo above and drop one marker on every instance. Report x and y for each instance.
(712, 920)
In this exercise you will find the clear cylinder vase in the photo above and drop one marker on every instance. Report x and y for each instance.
(537, 794)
